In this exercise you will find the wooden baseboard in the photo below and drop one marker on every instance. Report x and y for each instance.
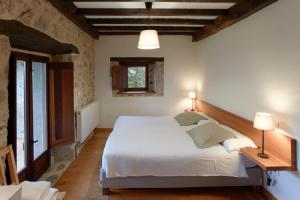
(268, 195)
(104, 129)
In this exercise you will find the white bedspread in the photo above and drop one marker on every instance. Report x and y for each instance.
(158, 146)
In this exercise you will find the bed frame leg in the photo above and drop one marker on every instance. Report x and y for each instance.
(105, 191)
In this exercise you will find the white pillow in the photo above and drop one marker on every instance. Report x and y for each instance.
(235, 144)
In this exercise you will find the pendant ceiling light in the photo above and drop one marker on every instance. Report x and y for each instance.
(148, 38)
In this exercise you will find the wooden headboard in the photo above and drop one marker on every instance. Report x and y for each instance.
(278, 145)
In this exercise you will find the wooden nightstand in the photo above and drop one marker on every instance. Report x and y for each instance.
(271, 164)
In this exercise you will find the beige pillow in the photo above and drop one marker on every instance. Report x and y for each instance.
(209, 134)
(189, 118)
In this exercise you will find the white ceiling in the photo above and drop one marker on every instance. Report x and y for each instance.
(152, 17)
(156, 5)
(175, 25)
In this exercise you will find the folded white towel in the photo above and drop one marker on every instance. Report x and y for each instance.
(52, 194)
(10, 192)
(35, 190)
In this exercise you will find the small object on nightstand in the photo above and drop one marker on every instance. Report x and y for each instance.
(192, 95)
(263, 122)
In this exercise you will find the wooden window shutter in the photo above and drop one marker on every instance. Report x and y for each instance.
(118, 74)
(61, 103)
(152, 78)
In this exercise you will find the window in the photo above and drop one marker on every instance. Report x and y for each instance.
(137, 76)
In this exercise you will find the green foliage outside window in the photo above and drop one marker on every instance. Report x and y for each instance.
(137, 77)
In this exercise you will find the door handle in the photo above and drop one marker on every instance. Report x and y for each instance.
(35, 141)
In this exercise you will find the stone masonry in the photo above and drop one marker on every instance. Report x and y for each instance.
(41, 15)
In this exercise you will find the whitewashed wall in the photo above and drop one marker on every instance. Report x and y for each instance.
(255, 66)
(180, 75)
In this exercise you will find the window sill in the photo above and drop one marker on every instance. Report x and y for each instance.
(135, 94)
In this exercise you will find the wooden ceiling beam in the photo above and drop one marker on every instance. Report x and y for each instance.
(27, 38)
(140, 28)
(235, 14)
(69, 10)
(225, 17)
(151, 21)
(153, 12)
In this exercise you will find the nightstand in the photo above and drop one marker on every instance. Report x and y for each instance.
(270, 164)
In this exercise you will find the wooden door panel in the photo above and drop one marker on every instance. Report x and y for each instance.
(40, 165)
(52, 105)
(118, 74)
(61, 97)
(67, 104)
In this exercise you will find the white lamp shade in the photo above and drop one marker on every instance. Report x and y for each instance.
(192, 95)
(148, 40)
(263, 121)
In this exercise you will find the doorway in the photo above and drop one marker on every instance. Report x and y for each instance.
(28, 122)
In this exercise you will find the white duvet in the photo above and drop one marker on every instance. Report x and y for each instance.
(158, 146)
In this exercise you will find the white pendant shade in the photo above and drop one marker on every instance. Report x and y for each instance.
(148, 40)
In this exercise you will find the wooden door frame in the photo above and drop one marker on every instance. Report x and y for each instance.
(28, 172)
(12, 122)
(40, 169)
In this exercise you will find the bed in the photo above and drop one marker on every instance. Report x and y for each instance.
(155, 152)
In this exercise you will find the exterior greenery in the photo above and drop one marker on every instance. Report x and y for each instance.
(137, 77)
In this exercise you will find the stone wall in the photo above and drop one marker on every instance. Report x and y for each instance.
(41, 15)
(4, 57)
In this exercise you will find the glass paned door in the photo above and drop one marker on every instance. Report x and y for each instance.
(21, 114)
(28, 122)
(39, 109)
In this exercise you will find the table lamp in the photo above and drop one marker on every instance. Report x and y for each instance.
(192, 95)
(263, 122)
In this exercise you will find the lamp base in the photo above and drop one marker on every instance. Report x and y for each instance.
(263, 155)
